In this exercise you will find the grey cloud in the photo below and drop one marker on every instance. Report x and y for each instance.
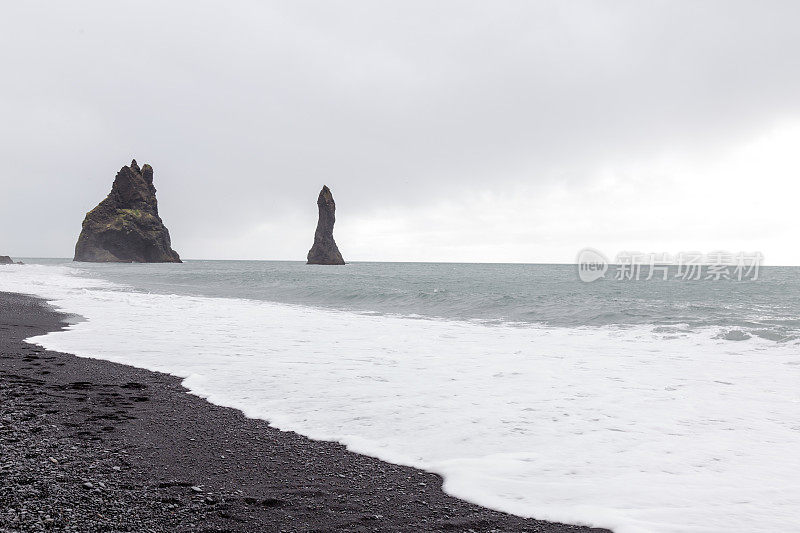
(246, 108)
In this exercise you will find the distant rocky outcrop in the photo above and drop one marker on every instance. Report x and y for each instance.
(325, 251)
(125, 227)
(5, 260)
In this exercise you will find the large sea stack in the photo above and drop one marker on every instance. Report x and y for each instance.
(5, 260)
(125, 227)
(325, 251)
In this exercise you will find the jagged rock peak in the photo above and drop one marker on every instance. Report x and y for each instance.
(126, 227)
(324, 251)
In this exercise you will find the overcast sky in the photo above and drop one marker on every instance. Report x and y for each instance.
(447, 131)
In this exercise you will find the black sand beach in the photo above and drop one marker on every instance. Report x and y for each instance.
(88, 445)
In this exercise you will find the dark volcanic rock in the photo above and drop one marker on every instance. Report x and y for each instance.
(125, 227)
(5, 260)
(325, 251)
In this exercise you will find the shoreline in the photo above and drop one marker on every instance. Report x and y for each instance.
(90, 445)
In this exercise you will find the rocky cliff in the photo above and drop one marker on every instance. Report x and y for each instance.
(125, 227)
(325, 251)
(5, 260)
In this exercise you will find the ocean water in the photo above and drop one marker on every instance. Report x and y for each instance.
(649, 406)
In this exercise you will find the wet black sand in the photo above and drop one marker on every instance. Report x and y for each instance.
(89, 445)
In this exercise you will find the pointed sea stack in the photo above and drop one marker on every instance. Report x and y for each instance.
(5, 260)
(125, 227)
(325, 251)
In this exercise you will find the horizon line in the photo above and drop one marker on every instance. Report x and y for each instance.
(69, 259)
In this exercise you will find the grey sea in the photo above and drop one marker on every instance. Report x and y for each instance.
(637, 405)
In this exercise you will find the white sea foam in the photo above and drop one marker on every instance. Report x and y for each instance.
(635, 429)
